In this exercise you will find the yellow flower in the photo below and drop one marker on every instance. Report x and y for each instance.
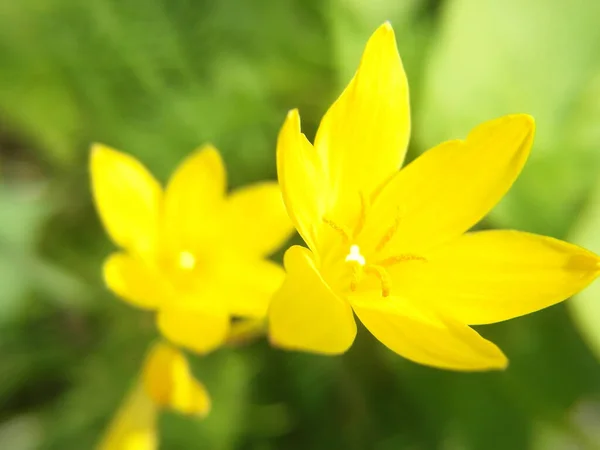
(166, 382)
(192, 253)
(392, 246)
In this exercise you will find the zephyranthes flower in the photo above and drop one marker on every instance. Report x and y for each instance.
(391, 246)
(192, 253)
(166, 382)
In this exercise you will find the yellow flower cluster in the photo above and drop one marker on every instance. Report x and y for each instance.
(386, 244)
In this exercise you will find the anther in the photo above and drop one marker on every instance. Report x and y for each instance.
(357, 271)
(389, 234)
(383, 276)
(364, 208)
(341, 230)
(400, 259)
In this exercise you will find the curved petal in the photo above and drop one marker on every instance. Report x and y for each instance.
(246, 287)
(135, 426)
(134, 281)
(490, 276)
(305, 314)
(257, 219)
(170, 383)
(452, 186)
(199, 330)
(193, 200)
(426, 338)
(128, 199)
(365, 133)
(302, 178)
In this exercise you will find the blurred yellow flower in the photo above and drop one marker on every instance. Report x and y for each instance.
(392, 245)
(166, 382)
(192, 253)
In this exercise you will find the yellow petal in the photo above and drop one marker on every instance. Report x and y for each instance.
(422, 337)
(490, 276)
(135, 424)
(199, 330)
(452, 186)
(305, 314)
(193, 201)
(170, 383)
(257, 220)
(365, 132)
(247, 286)
(128, 199)
(302, 179)
(134, 281)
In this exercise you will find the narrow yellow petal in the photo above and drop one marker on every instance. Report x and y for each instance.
(366, 131)
(422, 337)
(490, 276)
(452, 186)
(305, 314)
(246, 286)
(134, 281)
(257, 219)
(134, 427)
(128, 199)
(199, 330)
(170, 383)
(193, 201)
(302, 179)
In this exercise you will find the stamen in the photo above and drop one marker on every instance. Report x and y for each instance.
(387, 237)
(341, 230)
(364, 208)
(400, 258)
(357, 271)
(384, 278)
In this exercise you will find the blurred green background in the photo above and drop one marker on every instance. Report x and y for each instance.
(157, 78)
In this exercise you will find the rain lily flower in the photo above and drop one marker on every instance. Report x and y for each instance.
(392, 246)
(166, 382)
(192, 253)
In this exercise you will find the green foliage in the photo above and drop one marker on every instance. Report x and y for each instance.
(158, 78)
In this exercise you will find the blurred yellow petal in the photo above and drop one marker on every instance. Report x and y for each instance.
(128, 199)
(134, 281)
(305, 314)
(134, 427)
(257, 219)
(365, 132)
(200, 330)
(490, 276)
(246, 287)
(170, 383)
(302, 178)
(193, 200)
(452, 186)
(424, 338)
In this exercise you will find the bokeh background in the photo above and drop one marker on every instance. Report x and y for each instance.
(157, 78)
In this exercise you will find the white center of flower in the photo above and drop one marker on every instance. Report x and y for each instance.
(355, 255)
(187, 260)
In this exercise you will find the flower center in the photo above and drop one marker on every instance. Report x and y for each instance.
(187, 260)
(354, 257)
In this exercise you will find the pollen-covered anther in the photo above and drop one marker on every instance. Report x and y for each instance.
(365, 204)
(338, 228)
(400, 259)
(390, 233)
(384, 278)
